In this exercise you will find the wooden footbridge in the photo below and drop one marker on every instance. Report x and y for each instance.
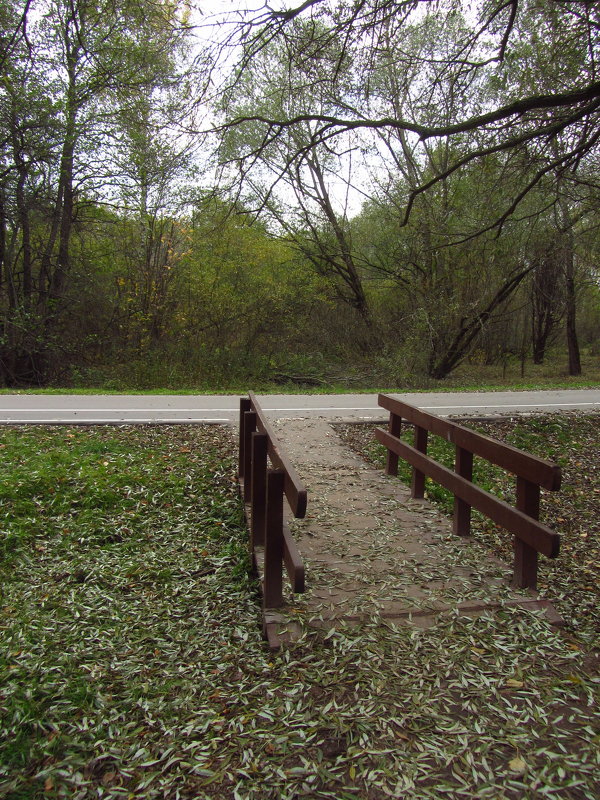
(356, 543)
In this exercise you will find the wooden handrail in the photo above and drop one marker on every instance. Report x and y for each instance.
(293, 487)
(531, 536)
(534, 533)
(534, 469)
(264, 488)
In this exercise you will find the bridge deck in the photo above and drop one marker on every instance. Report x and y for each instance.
(371, 550)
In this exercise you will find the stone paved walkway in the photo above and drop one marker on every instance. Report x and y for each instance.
(371, 550)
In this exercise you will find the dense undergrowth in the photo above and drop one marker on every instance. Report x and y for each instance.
(306, 373)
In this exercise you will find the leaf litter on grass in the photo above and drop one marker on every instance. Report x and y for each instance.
(133, 666)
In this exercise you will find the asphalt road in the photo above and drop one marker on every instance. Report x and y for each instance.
(181, 409)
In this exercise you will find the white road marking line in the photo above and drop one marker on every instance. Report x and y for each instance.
(111, 420)
(328, 408)
(16, 415)
(519, 405)
(456, 405)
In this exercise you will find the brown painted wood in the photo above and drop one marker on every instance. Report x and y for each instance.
(244, 406)
(249, 428)
(258, 492)
(272, 576)
(417, 488)
(293, 561)
(529, 530)
(294, 488)
(395, 428)
(463, 466)
(534, 469)
(265, 489)
(525, 556)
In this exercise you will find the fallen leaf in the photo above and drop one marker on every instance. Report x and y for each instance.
(518, 766)
(108, 778)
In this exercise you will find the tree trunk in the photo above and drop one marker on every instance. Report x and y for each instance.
(547, 298)
(23, 214)
(3, 254)
(542, 324)
(347, 269)
(571, 327)
(568, 263)
(470, 328)
(59, 276)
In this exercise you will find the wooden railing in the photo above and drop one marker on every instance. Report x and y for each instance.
(264, 488)
(530, 536)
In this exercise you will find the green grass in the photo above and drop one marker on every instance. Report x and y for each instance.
(102, 390)
(100, 531)
(64, 486)
(132, 663)
(457, 385)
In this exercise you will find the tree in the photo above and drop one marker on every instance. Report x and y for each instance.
(28, 139)
(547, 303)
(496, 116)
(66, 76)
(297, 197)
(151, 165)
(246, 302)
(434, 260)
(443, 297)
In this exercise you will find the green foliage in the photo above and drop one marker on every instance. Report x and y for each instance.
(118, 270)
(72, 78)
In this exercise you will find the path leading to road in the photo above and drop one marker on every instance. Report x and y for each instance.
(372, 551)
(186, 409)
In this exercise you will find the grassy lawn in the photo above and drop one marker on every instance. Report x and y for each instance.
(132, 665)
(458, 383)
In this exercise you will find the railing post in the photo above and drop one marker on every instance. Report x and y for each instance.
(258, 491)
(273, 578)
(394, 427)
(526, 557)
(244, 406)
(463, 466)
(249, 428)
(418, 478)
